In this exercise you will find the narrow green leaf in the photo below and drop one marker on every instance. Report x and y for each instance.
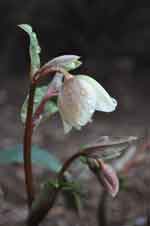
(73, 195)
(39, 157)
(71, 185)
(34, 48)
(73, 201)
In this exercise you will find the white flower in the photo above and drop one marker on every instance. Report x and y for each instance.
(79, 98)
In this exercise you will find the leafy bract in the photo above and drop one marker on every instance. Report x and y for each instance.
(34, 48)
(118, 151)
(40, 157)
(49, 108)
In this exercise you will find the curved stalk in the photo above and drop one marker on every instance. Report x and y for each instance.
(46, 199)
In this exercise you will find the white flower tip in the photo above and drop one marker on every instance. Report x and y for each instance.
(104, 101)
(114, 104)
(67, 127)
(107, 105)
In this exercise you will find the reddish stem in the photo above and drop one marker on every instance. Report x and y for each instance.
(41, 106)
(29, 130)
(44, 71)
(38, 111)
(41, 73)
(27, 147)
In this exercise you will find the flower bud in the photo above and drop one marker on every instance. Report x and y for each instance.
(105, 175)
(108, 178)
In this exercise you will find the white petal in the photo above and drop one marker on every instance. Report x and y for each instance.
(76, 102)
(104, 101)
(69, 62)
(64, 59)
(67, 127)
(87, 102)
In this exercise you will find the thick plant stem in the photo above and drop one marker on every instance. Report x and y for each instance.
(27, 147)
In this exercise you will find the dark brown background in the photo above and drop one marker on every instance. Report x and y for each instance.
(99, 31)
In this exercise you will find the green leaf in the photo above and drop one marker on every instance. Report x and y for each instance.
(73, 201)
(34, 48)
(49, 109)
(73, 195)
(39, 157)
(52, 183)
(70, 186)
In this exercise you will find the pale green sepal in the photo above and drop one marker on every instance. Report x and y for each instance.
(104, 101)
(68, 62)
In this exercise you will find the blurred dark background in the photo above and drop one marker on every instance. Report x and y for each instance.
(103, 32)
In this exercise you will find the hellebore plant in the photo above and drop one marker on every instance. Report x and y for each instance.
(78, 97)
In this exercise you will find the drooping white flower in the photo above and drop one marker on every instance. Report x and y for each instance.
(79, 98)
